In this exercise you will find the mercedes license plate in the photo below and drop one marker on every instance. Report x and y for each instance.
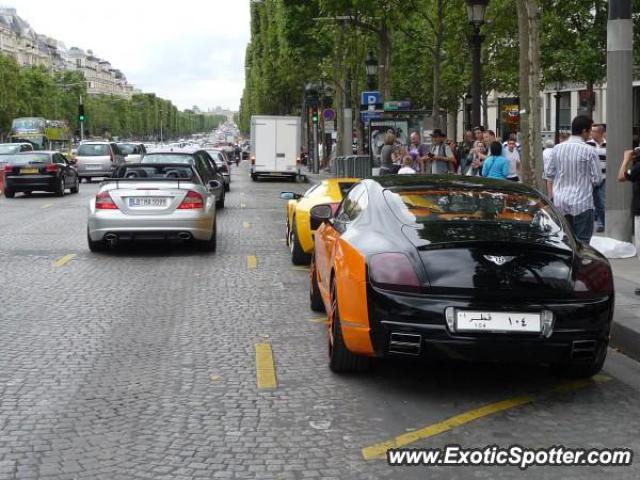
(147, 202)
(483, 321)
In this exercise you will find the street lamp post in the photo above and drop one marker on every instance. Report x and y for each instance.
(475, 12)
(372, 70)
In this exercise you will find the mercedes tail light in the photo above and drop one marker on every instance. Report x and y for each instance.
(8, 169)
(51, 168)
(191, 201)
(393, 271)
(593, 279)
(105, 202)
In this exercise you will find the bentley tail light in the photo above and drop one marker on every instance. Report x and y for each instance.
(8, 169)
(191, 201)
(105, 202)
(51, 168)
(393, 271)
(593, 278)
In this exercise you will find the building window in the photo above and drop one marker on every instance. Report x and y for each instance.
(547, 112)
(565, 111)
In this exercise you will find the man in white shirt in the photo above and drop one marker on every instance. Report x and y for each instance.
(599, 142)
(546, 156)
(572, 173)
(512, 154)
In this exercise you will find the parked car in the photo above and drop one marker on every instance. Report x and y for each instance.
(300, 227)
(222, 165)
(199, 158)
(133, 152)
(46, 171)
(155, 201)
(463, 267)
(98, 159)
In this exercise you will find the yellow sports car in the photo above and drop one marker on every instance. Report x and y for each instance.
(300, 228)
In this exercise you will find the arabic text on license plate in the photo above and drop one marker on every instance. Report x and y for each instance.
(476, 321)
(28, 170)
(147, 202)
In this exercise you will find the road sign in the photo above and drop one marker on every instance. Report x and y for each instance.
(329, 126)
(370, 98)
(329, 114)
(395, 105)
(368, 115)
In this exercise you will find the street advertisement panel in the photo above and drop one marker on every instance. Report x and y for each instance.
(378, 129)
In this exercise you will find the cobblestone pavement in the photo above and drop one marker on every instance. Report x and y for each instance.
(140, 364)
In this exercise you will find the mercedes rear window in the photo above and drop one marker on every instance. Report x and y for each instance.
(93, 150)
(155, 172)
(168, 158)
(476, 210)
(29, 159)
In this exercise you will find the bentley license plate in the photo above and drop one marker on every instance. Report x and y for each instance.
(483, 321)
(29, 170)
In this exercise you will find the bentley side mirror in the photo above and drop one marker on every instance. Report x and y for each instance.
(214, 183)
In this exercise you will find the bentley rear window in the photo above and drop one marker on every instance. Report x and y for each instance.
(473, 207)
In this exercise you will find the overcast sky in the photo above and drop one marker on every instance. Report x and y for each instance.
(191, 54)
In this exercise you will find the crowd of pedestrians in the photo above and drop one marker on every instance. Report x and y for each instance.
(574, 169)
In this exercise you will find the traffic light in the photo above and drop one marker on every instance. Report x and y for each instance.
(81, 116)
(314, 116)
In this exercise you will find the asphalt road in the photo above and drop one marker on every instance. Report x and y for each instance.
(142, 363)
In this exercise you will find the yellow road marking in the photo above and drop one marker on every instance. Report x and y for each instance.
(265, 367)
(246, 224)
(379, 450)
(215, 378)
(242, 205)
(252, 262)
(47, 205)
(301, 269)
(322, 320)
(64, 260)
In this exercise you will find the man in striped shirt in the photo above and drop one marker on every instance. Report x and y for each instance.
(572, 173)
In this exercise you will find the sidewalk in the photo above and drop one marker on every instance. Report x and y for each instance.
(625, 332)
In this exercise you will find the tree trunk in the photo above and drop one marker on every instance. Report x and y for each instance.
(437, 64)
(385, 50)
(485, 109)
(535, 125)
(525, 103)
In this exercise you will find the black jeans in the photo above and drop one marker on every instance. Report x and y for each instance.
(582, 225)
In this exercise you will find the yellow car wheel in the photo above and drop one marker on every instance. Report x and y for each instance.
(298, 255)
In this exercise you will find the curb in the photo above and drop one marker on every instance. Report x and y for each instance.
(625, 339)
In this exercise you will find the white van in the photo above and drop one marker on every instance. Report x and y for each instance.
(275, 146)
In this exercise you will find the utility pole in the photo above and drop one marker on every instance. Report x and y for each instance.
(619, 116)
(81, 118)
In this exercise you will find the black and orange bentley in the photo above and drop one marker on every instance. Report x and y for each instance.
(461, 267)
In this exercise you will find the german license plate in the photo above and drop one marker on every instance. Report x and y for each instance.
(29, 170)
(94, 167)
(483, 321)
(147, 202)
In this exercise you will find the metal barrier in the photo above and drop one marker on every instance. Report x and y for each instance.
(357, 166)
